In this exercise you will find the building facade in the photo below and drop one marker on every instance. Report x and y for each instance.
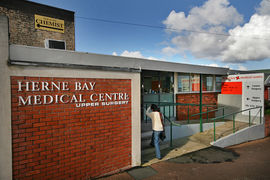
(65, 122)
(38, 25)
(62, 120)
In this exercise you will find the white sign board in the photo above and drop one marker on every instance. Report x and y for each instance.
(250, 86)
(253, 95)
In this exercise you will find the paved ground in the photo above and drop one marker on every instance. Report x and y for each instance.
(246, 161)
(189, 144)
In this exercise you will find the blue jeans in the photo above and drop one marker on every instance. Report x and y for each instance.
(156, 143)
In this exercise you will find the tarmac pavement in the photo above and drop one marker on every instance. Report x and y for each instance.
(247, 161)
(189, 144)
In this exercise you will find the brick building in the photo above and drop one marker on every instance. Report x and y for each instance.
(34, 24)
(60, 120)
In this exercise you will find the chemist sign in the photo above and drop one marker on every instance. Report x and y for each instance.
(250, 86)
(49, 24)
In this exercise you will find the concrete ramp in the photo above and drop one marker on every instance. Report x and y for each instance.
(244, 135)
(197, 141)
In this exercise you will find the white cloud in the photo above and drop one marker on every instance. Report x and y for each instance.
(242, 68)
(134, 54)
(230, 66)
(214, 65)
(169, 51)
(212, 14)
(214, 18)
(152, 58)
(264, 8)
(249, 42)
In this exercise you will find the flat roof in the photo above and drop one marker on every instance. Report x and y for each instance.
(28, 54)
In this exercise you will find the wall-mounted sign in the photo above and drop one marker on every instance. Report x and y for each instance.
(231, 88)
(49, 24)
(83, 118)
(253, 95)
(250, 86)
(81, 93)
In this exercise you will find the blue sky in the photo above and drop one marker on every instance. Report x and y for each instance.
(224, 33)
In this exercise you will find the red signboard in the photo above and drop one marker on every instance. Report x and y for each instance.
(231, 88)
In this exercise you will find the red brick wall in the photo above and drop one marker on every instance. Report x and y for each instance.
(267, 125)
(194, 98)
(62, 141)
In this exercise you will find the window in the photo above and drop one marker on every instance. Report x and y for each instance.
(218, 83)
(208, 84)
(55, 44)
(157, 82)
(191, 83)
(151, 84)
(166, 82)
(183, 83)
(195, 82)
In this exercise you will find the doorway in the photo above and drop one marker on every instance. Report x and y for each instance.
(157, 88)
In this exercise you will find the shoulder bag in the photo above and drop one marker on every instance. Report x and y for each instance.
(162, 135)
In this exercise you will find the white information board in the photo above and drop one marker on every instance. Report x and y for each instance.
(250, 86)
(253, 95)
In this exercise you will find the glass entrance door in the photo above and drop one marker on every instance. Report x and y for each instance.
(157, 87)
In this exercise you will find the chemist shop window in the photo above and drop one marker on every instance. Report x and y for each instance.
(218, 83)
(208, 83)
(183, 83)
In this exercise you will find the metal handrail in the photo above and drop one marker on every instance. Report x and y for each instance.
(169, 104)
(233, 114)
(171, 124)
(170, 121)
(214, 119)
(183, 104)
(208, 111)
(223, 108)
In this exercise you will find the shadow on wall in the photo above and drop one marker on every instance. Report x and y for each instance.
(233, 103)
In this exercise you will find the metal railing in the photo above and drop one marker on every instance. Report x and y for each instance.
(163, 105)
(233, 117)
(171, 106)
(172, 123)
(208, 111)
(171, 128)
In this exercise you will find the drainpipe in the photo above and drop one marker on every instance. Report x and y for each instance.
(201, 82)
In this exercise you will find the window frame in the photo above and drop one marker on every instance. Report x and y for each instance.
(47, 44)
(190, 83)
(183, 74)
